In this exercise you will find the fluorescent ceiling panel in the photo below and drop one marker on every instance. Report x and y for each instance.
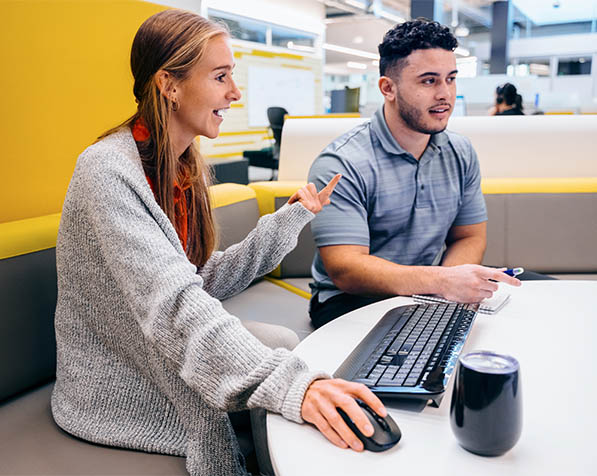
(543, 12)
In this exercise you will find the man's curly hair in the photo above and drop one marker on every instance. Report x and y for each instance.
(404, 38)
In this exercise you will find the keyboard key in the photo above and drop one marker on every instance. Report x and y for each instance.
(401, 358)
(370, 382)
(377, 371)
(389, 373)
(387, 382)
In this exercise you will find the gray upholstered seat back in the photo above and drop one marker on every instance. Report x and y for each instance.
(297, 263)
(235, 221)
(27, 342)
(545, 232)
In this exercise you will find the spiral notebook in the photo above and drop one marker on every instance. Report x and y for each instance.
(488, 306)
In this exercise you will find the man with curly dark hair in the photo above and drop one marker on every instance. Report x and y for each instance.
(408, 216)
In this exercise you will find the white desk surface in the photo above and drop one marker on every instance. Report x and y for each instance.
(559, 387)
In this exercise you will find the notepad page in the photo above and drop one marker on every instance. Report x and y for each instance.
(488, 306)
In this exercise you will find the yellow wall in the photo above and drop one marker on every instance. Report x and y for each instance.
(65, 79)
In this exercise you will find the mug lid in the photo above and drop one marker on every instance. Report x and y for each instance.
(486, 361)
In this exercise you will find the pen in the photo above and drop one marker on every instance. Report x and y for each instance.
(514, 271)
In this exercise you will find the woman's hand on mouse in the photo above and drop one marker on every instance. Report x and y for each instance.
(319, 408)
(312, 200)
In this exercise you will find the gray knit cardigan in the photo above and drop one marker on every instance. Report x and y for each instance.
(147, 357)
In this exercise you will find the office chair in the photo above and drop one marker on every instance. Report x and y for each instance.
(269, 156)
(275, 115)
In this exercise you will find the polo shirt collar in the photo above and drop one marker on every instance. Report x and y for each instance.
(389, 143)
(439, 139)
(382, 131)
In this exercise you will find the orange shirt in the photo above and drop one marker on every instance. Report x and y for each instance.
(180, 211)
(141, 134)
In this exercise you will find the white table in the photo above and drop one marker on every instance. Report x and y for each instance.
(549, 326)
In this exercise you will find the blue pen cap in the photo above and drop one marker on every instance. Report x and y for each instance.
(514, 271)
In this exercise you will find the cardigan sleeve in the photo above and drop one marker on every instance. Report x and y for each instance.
(139, 250)
(228, 272)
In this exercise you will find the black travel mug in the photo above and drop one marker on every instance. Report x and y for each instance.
(486, 406)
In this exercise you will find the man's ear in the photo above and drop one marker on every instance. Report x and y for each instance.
(387, 87)
(166, 83)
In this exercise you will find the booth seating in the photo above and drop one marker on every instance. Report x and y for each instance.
(31, 442)
(547, 224)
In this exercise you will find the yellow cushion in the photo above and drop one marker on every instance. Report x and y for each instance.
(28, 236)
(539, 185)
(228, 193)
(35, 234)
(267, 192)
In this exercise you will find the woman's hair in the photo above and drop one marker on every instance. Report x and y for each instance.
(506, 93)
(173, 41)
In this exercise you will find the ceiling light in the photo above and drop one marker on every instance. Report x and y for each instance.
(355, 3)
(350, 51)
(468, 59)
(462, 31)
(355, 65)
(291, 46)
(358, 40)
(338, 5)
(391, 17)
(462, 51)
(539, 69)
(375, 62)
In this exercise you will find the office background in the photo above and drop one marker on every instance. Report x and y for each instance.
(67, 77)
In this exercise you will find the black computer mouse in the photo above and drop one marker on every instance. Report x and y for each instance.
(386, 432)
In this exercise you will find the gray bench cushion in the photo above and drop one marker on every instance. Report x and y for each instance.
(263, 301)
(545, 232)
(32, 443)
(235, 221)
(559, 234)
(297, 263)
(300, 283)
(267, 302)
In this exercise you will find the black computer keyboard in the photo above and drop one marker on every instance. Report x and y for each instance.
(411, 351)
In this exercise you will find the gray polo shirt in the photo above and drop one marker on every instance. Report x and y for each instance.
(400, 207)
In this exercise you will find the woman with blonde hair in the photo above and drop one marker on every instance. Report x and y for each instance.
(148, 358)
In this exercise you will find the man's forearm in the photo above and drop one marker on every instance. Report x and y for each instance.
(469, 250)
(372, 276)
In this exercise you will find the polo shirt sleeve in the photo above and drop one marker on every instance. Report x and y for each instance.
(344, 220)
(472, 209)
